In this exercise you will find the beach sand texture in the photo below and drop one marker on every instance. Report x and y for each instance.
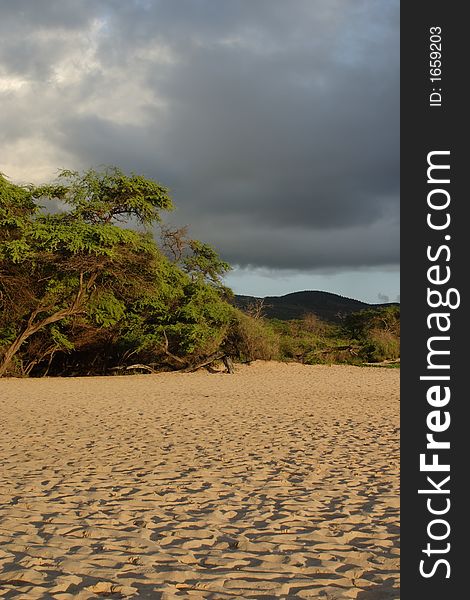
(280, 481)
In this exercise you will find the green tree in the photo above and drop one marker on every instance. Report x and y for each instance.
(54, 267)
(87, 288)
(377, 330)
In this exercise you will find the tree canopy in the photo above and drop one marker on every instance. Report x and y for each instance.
(74, 279)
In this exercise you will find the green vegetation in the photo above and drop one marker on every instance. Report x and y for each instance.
(377, 331)
(366, 336)
(86, 289)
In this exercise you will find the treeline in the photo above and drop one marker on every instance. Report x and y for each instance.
(85, 288)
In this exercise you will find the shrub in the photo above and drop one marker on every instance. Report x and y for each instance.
(251, 339)
(381, 345)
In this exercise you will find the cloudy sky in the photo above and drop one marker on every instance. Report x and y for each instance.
(274, 123)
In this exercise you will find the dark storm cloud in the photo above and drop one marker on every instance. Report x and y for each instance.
(274, 123)
(28, 16)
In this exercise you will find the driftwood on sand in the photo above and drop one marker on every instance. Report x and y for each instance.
(207, 362)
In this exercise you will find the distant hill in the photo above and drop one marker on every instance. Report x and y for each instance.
(325, 305)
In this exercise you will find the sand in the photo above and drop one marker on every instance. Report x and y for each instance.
(280, 481)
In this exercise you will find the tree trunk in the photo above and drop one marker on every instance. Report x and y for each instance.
(30, 330)
(228, 362)
(11, 351)
(75, 308)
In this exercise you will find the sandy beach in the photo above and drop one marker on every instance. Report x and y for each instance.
(280, 481)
